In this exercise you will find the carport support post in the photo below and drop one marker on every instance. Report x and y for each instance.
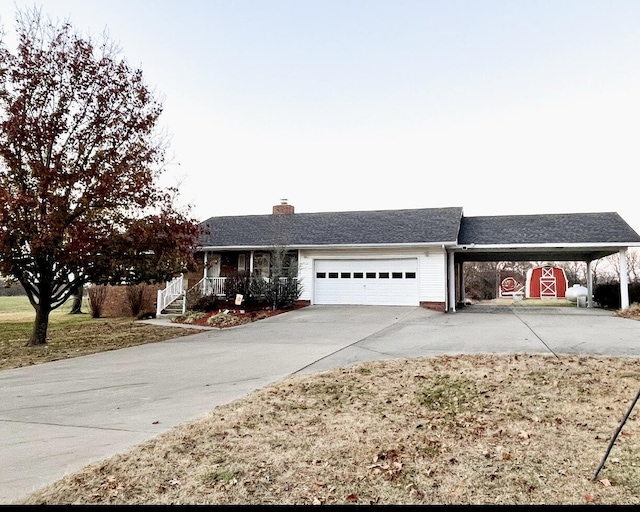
(461, 296)
(589, 284)
(451, 283)
(624, 280)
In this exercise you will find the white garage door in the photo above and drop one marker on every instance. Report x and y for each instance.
(367, 282)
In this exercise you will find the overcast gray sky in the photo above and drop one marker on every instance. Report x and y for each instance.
(500, 107)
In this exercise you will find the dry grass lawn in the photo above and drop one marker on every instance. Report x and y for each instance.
(447, 430)
(69, 335)
(78, 336)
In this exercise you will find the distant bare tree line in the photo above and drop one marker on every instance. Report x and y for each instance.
(482, 279)
(10, 288)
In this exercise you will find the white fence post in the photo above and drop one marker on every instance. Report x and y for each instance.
(158, 303)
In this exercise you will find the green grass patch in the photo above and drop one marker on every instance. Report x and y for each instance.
(221, 476)
(448, 395)
(19, 309)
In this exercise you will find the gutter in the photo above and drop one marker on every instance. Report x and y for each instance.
(328, 246)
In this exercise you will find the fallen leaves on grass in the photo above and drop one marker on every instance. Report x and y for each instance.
(79, 336)
(632, 312)
(472, 430)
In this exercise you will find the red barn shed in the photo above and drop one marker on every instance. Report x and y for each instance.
(546, 282)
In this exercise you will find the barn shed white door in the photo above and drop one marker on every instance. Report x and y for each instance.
(392, 282)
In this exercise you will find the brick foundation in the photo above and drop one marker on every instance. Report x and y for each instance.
(435, 306)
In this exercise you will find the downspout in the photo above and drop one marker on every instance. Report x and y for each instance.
(451, 283)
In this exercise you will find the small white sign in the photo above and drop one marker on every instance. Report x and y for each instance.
(239, 298)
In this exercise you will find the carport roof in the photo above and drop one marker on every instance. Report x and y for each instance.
(357, 228)
(574, 228)
(574, 236)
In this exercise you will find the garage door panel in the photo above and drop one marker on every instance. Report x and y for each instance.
(366, 282)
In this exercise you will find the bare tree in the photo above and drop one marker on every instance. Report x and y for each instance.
(633, 264)
(576, 271)
(283, 287)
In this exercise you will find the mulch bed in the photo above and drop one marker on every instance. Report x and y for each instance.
(235, 315)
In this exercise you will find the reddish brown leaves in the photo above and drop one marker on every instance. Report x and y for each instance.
(386, 464)
(79, 160)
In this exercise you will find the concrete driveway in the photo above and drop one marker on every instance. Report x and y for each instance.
(57, 417)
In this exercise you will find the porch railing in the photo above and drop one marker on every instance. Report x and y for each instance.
(209, 286)
(206, 286)
(172, 291)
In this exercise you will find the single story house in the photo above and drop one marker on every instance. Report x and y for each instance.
(410, 257)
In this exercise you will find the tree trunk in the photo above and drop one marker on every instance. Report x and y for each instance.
(76, 306)
(40, 326)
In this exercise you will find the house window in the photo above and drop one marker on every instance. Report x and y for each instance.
(396, 275)
(333, 275)
(261, 262)
(358, 275)
(228, 264)
(371, 275)
(321, 275)
(384, 275)
(345, 275)
(410, 275)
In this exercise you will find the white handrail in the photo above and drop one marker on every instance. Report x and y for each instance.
(172, 291)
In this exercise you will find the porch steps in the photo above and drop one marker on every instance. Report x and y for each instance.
(173, 309)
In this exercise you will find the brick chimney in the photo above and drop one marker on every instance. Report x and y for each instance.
(283, 208)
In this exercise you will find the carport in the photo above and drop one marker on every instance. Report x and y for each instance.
(583, 237)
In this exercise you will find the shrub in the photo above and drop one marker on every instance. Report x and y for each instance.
(608, 294)
(206, 303)
(223, 319)
(282, 292)
(238, 283)
(135, 297)
(188, 317)
(97, 299)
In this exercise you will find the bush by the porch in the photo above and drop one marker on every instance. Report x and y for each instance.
(257, 293)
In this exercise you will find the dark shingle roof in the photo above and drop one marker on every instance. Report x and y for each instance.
(416, 226)
(574, 228)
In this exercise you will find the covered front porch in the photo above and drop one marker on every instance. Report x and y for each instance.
(217, 266)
